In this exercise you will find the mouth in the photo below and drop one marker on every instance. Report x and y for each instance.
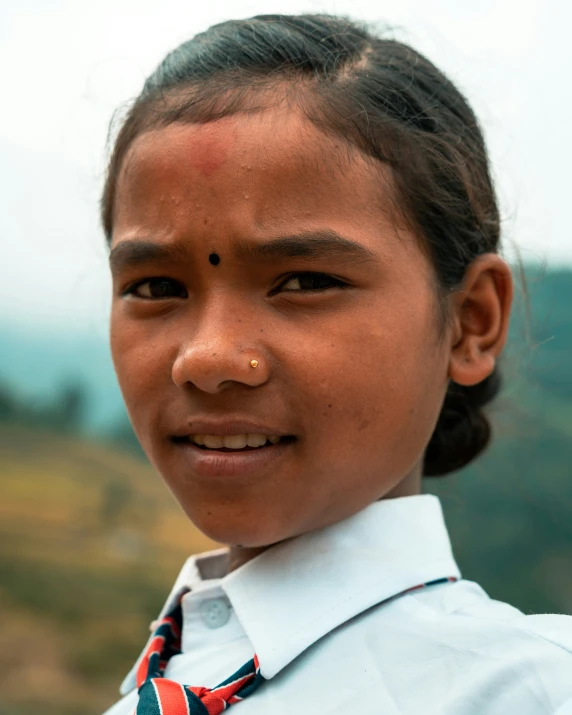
(234, 443)
(219, 460)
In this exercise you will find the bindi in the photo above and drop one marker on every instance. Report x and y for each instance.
(214, 258)
(210, 146)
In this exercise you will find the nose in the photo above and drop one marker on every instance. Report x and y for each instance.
(216, 355)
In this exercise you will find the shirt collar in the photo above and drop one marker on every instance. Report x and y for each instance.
(290, 596)
(296, 592)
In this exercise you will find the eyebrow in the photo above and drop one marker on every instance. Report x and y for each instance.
(131, 254)
(314, 244)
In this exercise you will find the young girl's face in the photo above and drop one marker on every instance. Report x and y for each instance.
(317, 280)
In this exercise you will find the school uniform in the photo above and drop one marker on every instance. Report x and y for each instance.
(336, 627)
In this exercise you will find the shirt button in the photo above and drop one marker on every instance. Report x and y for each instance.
(215, 612)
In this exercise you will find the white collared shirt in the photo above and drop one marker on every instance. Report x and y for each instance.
(315, 610)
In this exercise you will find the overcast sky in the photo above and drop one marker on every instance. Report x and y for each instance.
(65, 66)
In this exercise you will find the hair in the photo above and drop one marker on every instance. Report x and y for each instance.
(379, 96)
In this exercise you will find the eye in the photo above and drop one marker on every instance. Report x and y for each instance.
(156, 289)
(309, 282)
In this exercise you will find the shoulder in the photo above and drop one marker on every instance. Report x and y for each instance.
(529, 654)
(466, 605)
(476, 654)
(465, 608)
(551, 628)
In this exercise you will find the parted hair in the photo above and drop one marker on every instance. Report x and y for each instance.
(376, 94)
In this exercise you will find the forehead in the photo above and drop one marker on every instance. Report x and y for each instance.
(262, 170)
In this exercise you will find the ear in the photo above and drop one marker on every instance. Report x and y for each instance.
(481, 310)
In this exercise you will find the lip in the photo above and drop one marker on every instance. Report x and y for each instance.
(228, 427)
(213, 463)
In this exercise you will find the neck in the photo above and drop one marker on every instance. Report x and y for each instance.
(409, 485)
(240, 555)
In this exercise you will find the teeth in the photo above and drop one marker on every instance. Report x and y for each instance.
(255, 440)
(213, 441)
(233, 441)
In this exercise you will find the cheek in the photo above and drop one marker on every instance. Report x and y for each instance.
(141, 363)
(378, 386)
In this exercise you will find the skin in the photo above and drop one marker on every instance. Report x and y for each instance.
(357, 373)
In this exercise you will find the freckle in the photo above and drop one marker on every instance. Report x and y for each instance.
(205, 220)
(329, 405)
(261, 330)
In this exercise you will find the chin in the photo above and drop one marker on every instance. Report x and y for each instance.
(248, 533)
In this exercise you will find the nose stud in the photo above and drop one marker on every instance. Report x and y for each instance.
(254, 363)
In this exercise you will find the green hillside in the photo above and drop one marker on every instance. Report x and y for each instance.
(80, 526)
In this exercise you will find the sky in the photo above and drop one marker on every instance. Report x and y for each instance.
(67, 66)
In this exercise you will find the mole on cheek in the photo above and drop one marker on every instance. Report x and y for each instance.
(214, 258)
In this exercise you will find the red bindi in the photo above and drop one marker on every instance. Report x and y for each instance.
(210, 147)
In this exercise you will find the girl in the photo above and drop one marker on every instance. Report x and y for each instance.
(308, 311)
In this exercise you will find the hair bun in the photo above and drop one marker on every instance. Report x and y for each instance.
(463, 429)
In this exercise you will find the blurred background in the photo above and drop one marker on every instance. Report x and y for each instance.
(82, 515)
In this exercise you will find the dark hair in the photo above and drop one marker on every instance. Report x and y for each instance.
(378, 95)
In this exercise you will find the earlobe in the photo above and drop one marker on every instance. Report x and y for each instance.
(481, 310)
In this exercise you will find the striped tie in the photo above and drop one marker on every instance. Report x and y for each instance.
(159, 696)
